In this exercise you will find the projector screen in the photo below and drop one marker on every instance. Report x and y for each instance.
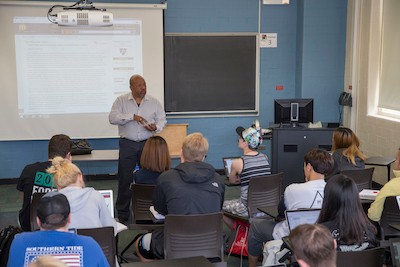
(63, 79)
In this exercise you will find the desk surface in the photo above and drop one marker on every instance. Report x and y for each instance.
(98, 155)
(379, 161)
(185, 262)
(270, 211)
(103, 155)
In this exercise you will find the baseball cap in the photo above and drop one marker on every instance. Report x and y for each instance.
(53, 208)
(250, 135)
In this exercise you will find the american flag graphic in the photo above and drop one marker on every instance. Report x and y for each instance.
(71, 256)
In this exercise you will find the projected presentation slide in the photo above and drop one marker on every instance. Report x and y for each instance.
(55, 63)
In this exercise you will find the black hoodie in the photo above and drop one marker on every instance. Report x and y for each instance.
(190, 188)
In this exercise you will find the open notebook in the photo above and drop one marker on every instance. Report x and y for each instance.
(156, 215)
(301, 216)
(109, 199)
(368, 194)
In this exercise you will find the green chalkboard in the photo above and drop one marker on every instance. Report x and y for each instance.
(211, 73)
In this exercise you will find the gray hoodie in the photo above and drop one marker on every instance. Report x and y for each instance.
(88, 208)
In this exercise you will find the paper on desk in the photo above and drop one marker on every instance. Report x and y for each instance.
(368, 194)
(121, 227)
(156, 215)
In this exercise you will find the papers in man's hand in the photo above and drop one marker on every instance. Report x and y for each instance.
(368, 194)
(156, 215)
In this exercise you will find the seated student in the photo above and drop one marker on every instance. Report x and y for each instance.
(34, 178)
(346, 152)
(251, 164)
(313, 246)
(391, 188)
(192, 187)
(154, 160)
(343, 215)
(317, 163)
(53, 218)
(88, 208)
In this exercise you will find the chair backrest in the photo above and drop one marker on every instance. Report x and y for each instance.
(194, 235)
(33, 210)
(390, 214)
(362, 177)
(142, 199)
(104, 236)
(264, 191)
(367, 258)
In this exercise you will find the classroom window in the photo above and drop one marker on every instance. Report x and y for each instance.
(389, 78)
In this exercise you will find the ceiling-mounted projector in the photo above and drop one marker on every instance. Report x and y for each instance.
(82, 13)
(75, 17)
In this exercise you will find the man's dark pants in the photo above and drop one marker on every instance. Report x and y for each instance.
(129, 156)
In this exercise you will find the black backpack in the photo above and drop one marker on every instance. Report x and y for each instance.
(6, 238)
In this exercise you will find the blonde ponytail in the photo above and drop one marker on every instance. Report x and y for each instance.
(64, 172)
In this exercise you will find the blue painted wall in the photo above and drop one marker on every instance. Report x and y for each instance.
(308, 62)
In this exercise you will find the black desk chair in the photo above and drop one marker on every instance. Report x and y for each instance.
(33, 210)
(104, 236)
(263, 191)
(373, 257)
(199, 261)
(194, 235)
(142, 199)
(362, 177)
(390, 215)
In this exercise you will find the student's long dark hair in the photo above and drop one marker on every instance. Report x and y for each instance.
(342, 206)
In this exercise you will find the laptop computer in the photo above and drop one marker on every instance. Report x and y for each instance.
(395, 251)
(109, 199)
(227, 164)
(301, 216)
(297, 217)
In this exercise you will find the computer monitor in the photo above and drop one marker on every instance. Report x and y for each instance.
(294, 110)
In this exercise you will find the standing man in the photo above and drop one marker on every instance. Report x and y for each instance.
(35, 179)
(138, 117)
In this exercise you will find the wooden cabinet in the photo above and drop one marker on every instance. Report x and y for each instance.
(174, 135)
